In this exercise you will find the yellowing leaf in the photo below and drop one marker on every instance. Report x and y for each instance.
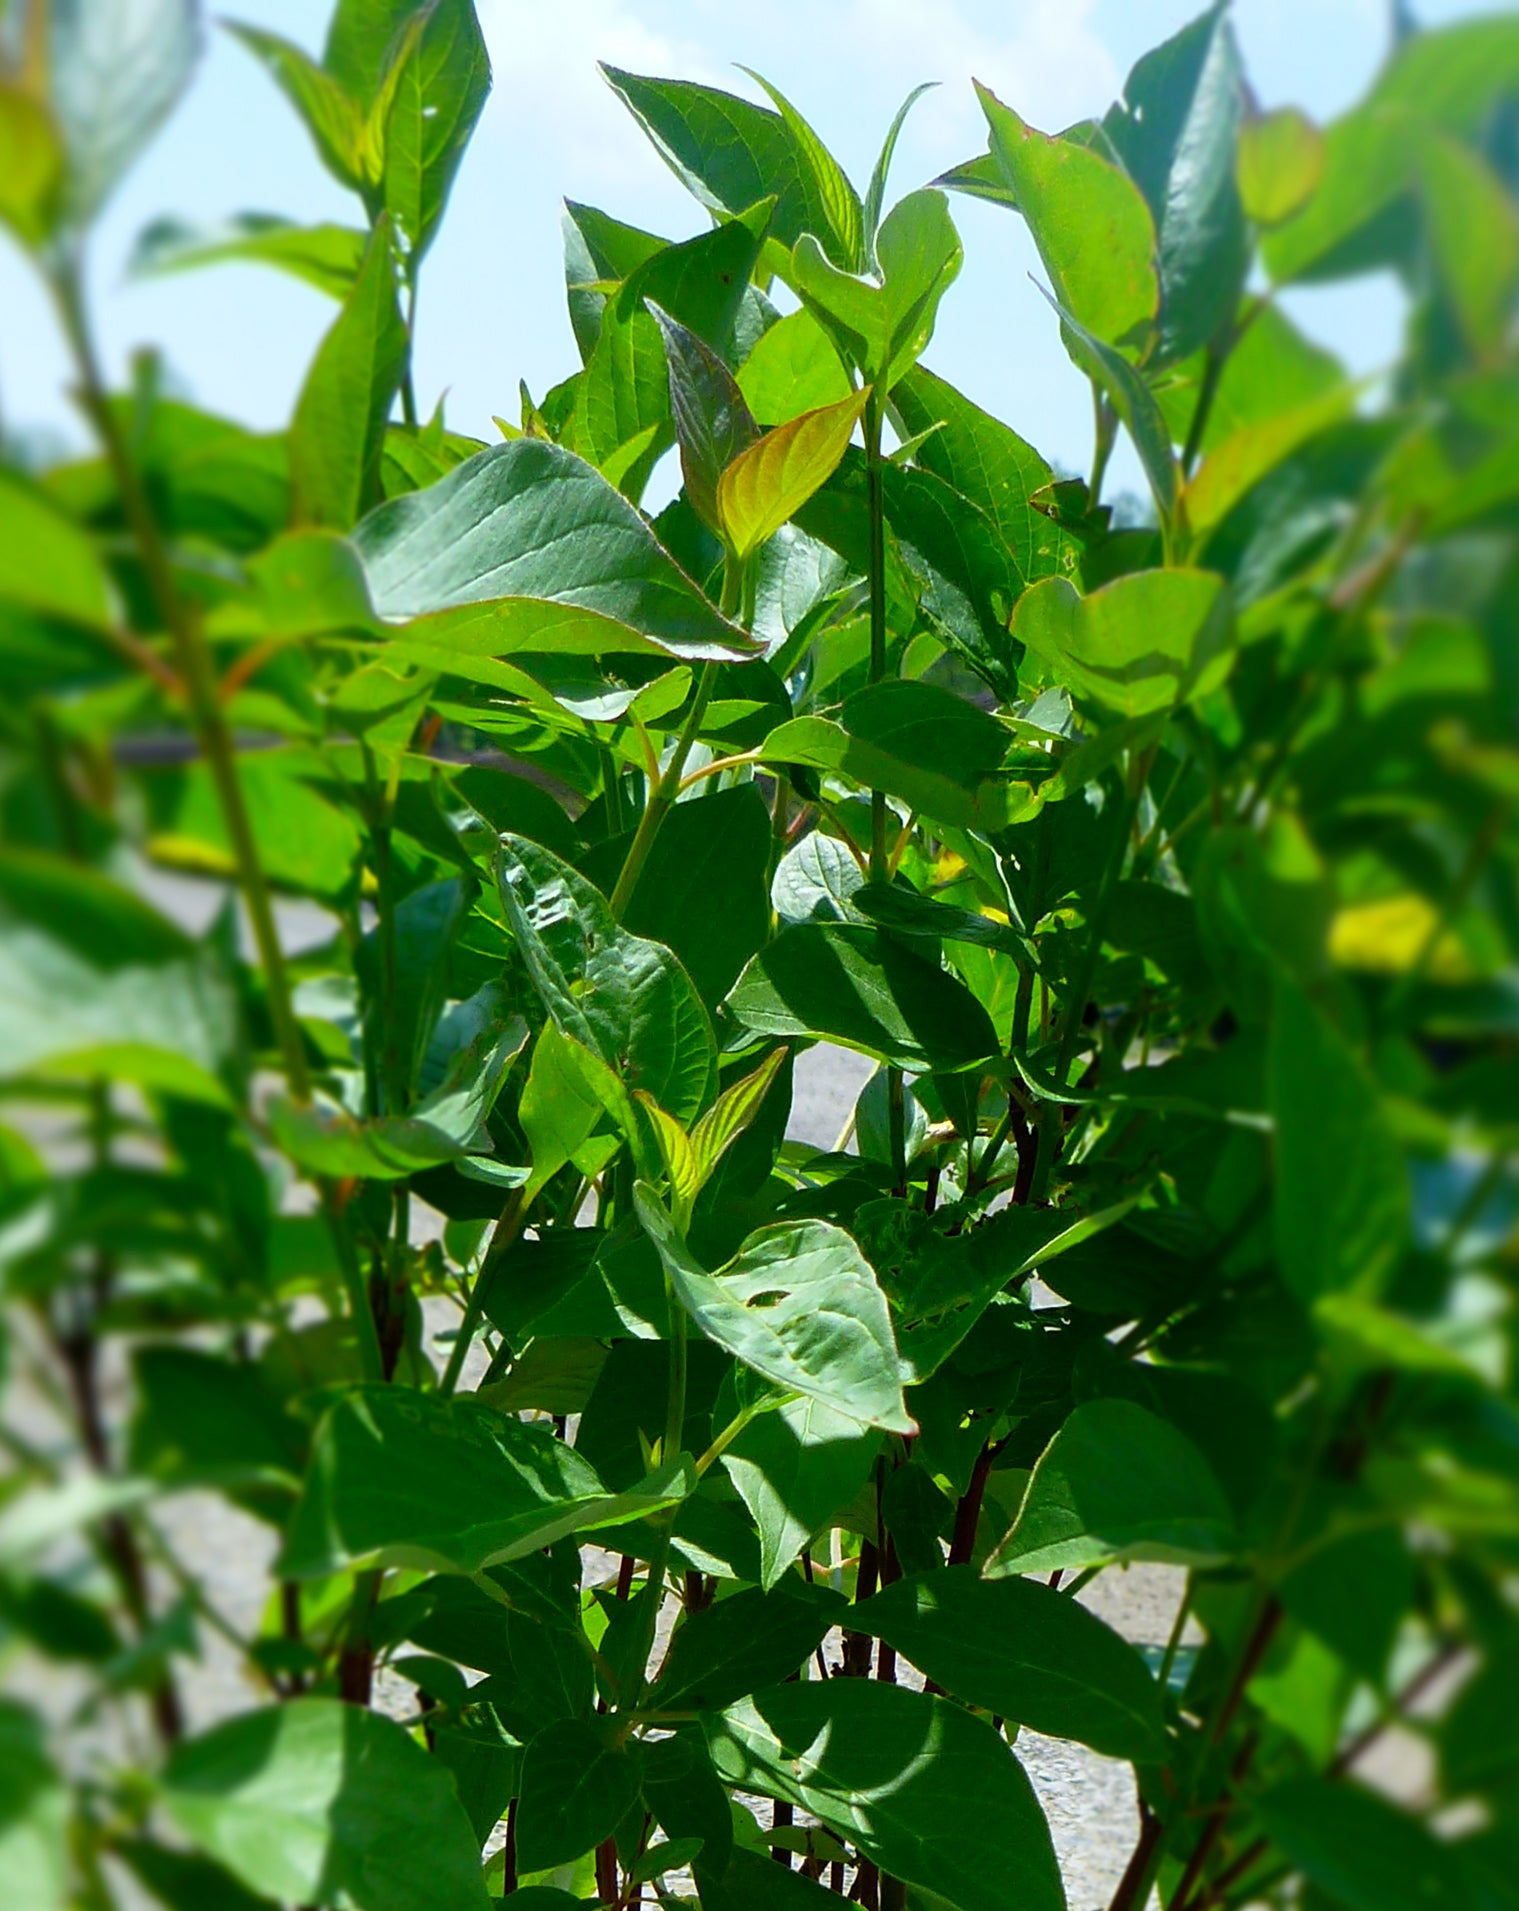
(31, 165)
(1389, 937)
(768, 484)
(1279, 165)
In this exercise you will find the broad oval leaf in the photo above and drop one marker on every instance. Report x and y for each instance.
(321, 1803)
(1025, 1652)
(1089, 220)
(1117, 1482)
(799, 1304)
(860, 987)
(530, 520)
(446, 1485)
(930, 1794)
(795, 1469)
(1147, 643)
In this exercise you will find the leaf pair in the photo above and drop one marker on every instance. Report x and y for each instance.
(391, 106)
(745, 485)
(691, 1158)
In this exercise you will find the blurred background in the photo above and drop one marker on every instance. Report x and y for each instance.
(238, 338)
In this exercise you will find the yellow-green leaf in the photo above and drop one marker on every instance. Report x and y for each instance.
(31, 165)
(768, 484)
(1279, 164)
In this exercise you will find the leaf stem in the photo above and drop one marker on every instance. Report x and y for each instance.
(662, 797)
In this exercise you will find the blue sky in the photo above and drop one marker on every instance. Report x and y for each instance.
(492, 310)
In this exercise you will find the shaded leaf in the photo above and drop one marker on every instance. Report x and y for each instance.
(1025, 1652)
(316, 1802)
(930, 1794)
(1116, 1482)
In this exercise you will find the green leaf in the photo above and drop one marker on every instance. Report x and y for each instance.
(548, 553)
(1359, 1850)
(767, 484)
(1148, 642)
(338, 434)
(320, 1803)
(752, 1882)
(627, 1000)
(435, 98)
(730, 153)
(577, 1787)
(1088, 219)
(1025, 1652)
(34, 1814)
(702, 283)
(184, 1881)
(793, 368)
(856, 986)
(1479, 1736)
(1341, 1190)
(207, 1420)
(841, 203)
(1175, 132)
(332, 118)
(883, 329)
(703, 889)
(326, 256)
(815, 880)
(1278, 165)
(935, 750)
(115, 72)
(95, 984)
(1473, 227)
(795, 1468)
(988, 463)
(752, 1639)
(31, 166)
(732, 1113)
(1368, 159)
(928, 1793)
(446, 1485)
(712, 422)
(562, 1107)
(799, 1304)
(682, 1791)
(1134, 403)
(964, 570)
(47, 563)
(598, 250)
(875, 196)
(1116, 1482)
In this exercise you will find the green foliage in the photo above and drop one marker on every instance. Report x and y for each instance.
(627, 1457)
